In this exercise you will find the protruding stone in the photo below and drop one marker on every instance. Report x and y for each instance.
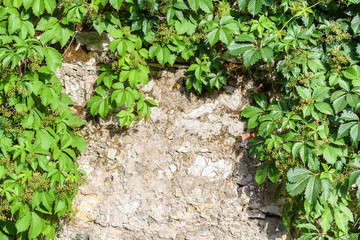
(255, 214)
(84, 211)
(111, 153)
(172, 168)
(93, 41)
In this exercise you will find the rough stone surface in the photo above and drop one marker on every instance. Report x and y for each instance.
(184, 174)
(94, 41)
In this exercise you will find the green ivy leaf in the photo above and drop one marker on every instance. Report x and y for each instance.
(267, 54)
(355, 24)
(38, 7)
(13, 23)
(36, 225)
(116, 4)
(50, 5)
(261, 100)
(255, 6)
(344, 129)
(315, 65)
(206, 5)
(353, 73)
(349, 116)
(251, 56)
(27, 4)
(273, 173)
(162, 55)
(194, 4)
(326, 220)
(319, 93)
(340, 220)
(237, 49)
(324, 108)
(24, 222)
(213, 36)
(299, 178)
(261, 173)
(354, 134)
(52, 57)
(250, 111)
(339, 104)
(330, 154)
(225, 35)
(303, 92)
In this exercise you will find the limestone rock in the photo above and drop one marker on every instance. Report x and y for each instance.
(182, 175)
(93, 41)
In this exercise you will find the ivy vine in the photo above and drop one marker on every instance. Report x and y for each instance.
(307, 136)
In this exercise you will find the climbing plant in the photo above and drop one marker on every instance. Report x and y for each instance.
(307, 133)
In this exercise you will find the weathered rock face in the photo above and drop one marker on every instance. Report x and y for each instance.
(183, 174)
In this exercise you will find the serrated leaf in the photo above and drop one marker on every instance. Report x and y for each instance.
(347, 212)
(261, 100)
(355, 24)
(103, 109)
(330, 155)
(296, 148)
(273, 173)
(339, 104)
(340, 220)
(225, 35)
(237, 49)
(344, 129)
(150, 102)
(313, 189)
(308, 226)
(245, 38)
(27, 3)
(52, 57)
(116, 4)
(13, 23)
(38, 7)
(162, 55)
(354, 134)
(315, 65)
(267, 54)
(194, 4)
(324, 108)
(349, 116)
(326, 187)
(251, 56)
(353, 177)
(319, 93)
(23, 223)
(298, 187)
(213, 36)
(250, 111)
(297, 173)
(255, 6)
(206, 5)
(60, 205)
(36, 226)
(261, 173)
(50, 5)
(326, 220)
(303, 92)
(242, 4)
(353, 72)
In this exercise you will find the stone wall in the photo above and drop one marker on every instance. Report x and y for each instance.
(183, 174)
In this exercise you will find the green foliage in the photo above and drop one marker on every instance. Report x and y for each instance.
(38, 150)
(309, 136)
